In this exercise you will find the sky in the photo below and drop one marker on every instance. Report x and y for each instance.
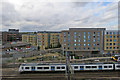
(35, 15)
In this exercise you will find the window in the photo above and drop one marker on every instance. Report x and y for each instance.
(106, 43)
(117, 47)
(22, 67)
(106, 47)
(88, 44)
(110, 47)
(106, 36)
(110, 36)
(93, 40)
(107, 32)
(107, 40)
(46, 67)
(74, 33)
(81, 66)
(114, 40)
(84, 44)
(117, 36)
(74, 48)
(117, 44)
(100, 66)
(39, 67)
(74, 44)
(94, 66)
(52, 67)
(118, 66)
(84, 40)
(78, 40)
(110, 40)
(63, 67)
(113, 47)
(58, 67)
(75, 40)
(78, 44)
(113, 36)
(88, 66)
(105, 66)
(117, 40)
(113, 32)
(26, 67)
(110, 43)
(93, 44)
(69, 45)
(110, 32)
(93, 48)
(113, 43)
(75, 67)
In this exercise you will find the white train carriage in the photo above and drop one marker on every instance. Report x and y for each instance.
(62, 67)
(117, 66)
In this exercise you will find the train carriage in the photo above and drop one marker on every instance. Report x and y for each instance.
(62, 67)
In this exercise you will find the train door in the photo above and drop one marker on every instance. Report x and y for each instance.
(100, 67)
(52, 68)
(33, 68)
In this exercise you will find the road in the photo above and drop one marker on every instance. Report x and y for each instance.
(13, 74)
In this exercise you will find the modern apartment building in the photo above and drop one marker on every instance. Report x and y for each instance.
(30, 39)
(83, 41)
(111, 42)
(48, 39)
(55, 39)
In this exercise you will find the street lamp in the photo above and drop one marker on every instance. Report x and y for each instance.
(66, 60)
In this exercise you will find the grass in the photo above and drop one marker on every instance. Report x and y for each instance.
(45, 57)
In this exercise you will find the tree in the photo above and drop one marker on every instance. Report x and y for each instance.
(38, 48)
(11, 38)
(59, 45)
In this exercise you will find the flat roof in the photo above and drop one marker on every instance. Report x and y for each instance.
(87, 28)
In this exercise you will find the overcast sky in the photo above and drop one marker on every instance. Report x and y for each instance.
(32, 15)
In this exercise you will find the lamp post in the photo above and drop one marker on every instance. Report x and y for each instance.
(66, 61)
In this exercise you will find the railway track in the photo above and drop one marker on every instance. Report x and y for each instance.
(102, 75)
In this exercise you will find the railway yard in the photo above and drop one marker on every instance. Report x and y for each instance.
(13, 74)
(10, 68)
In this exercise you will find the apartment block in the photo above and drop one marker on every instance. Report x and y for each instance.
(11, 35)
(30, 38)
(111, 42)
(55, 39)
(48, 39)
(83, 41)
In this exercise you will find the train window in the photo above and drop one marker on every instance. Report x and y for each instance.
(22, 67)
(58, 67)
(88, 66)
(75, 67)
(105, 66)
(63, 67)
(81, 66)
(39, 67)
(118, 66)
(26, 67)
(94, 66)
(46, 67)
(110, 66)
